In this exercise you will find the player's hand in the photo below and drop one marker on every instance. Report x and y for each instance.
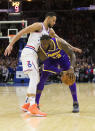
(68, 77)
(8, 50)
(71, 70)
(77, 50)
(70, 73)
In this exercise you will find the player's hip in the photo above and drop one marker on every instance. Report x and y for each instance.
(26, 52)
(29, 64)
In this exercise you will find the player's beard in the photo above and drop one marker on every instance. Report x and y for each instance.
(49, 25)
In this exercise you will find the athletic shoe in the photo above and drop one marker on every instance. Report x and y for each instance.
(75, 107)
(35, 111)
(25, 107)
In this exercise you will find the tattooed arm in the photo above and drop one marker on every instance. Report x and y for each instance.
(68, 51)
(53, 34)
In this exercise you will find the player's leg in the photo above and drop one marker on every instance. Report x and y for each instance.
(49, 66)
(40, 87)
(65, 65)
(31, 93)
(30, 98)
(33, 73)
(74, 96)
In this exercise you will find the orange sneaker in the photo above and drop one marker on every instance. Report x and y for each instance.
(25, 107)
(35, 111)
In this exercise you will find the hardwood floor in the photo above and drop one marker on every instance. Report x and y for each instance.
(56, 101)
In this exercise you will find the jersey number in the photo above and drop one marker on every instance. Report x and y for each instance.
(29, 64)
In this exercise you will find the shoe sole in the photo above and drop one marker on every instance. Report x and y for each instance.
(75, 111)
(23, 109)
(37, 115)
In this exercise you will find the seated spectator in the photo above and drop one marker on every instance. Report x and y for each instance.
(90, 73)
(77, 68)
(93, 73)
(0, 73)
(81, 74)
(5, 73)
(11, 73)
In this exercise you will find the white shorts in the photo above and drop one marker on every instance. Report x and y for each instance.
(29, 60)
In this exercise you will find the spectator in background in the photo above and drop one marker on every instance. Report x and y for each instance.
(93, 73)
(11, 73)
(0, 73)
(5, 73)
(81, 74)
(89, 72)
(77, 68)
(85, 72)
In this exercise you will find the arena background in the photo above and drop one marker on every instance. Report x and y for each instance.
(76, 24)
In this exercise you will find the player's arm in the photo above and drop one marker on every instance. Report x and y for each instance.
(41, 54)
(68, 51)
(32, 28)
(75, 49)
(53, 34)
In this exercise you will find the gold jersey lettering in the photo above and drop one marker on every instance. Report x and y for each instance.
(55, 55)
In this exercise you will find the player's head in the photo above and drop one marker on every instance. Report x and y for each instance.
(45, 41)
(51, 19)
(45, 37)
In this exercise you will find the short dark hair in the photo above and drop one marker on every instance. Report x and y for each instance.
(45, 37)
(51, 14)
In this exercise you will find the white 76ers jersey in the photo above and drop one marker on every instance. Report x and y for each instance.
(34, 38)
(29, 56)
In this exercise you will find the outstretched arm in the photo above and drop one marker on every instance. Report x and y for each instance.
(75, 49)
(32, 28)
(68, 50)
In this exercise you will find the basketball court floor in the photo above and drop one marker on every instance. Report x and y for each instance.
(56, 101)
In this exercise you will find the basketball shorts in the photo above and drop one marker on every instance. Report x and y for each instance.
(29, 61)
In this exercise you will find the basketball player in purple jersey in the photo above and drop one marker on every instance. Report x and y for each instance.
(58, 53)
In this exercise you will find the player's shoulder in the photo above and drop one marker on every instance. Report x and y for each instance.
(51, 30)
(37, 25)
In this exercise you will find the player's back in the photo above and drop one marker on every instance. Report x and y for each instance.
(56, 52)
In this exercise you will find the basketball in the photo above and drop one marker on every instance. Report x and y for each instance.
(68, 78)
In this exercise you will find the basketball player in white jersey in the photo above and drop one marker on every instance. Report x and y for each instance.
(29, 56)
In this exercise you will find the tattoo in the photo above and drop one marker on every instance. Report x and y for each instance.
(66, 43)
(63, 45)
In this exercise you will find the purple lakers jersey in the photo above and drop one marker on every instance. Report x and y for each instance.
(56, 57)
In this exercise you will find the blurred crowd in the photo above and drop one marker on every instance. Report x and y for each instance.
(77, 28)
(7, 69)
(83, 73)
(7, 64)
